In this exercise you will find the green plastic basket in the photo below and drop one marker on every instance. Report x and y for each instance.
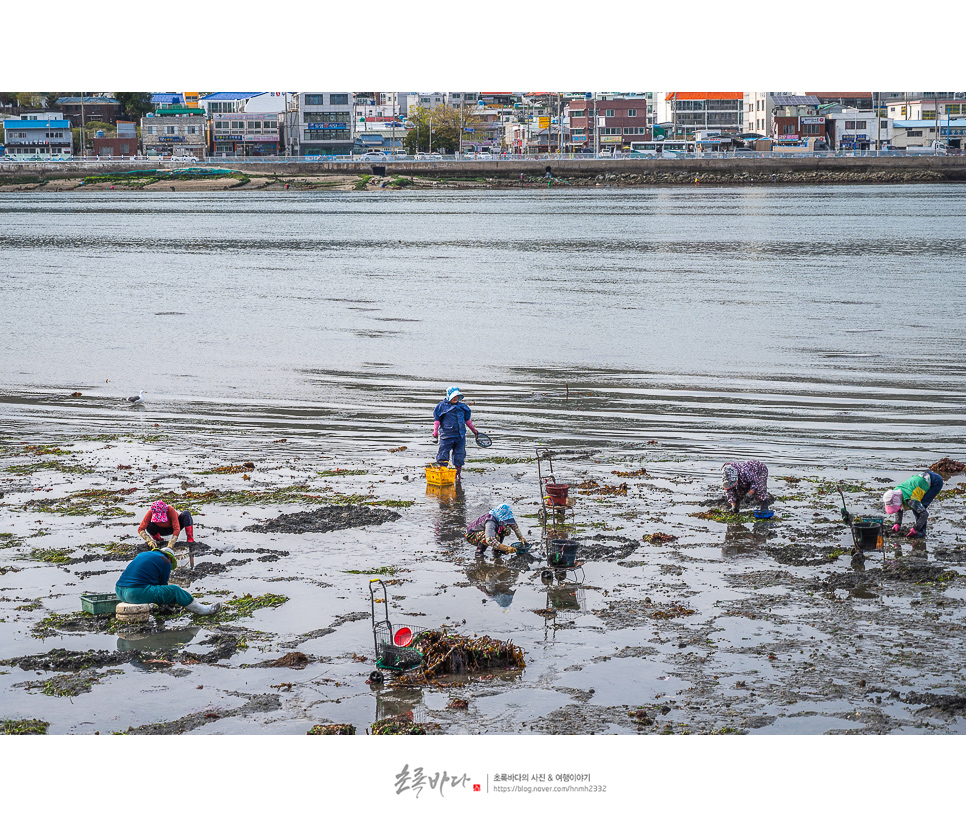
(99, 603)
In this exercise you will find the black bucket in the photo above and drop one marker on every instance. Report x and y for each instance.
(867, 533)
(563, 553)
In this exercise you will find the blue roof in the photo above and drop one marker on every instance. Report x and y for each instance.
(167, 98)
(228, 96)
(23, 124)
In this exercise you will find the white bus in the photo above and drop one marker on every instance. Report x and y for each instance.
(664, 148)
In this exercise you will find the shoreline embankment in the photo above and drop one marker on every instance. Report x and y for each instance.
(219, 175)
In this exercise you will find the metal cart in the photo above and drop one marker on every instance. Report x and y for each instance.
(394, 647)
(557, 523)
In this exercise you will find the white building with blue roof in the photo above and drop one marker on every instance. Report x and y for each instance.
(38, 137)
(910, 133)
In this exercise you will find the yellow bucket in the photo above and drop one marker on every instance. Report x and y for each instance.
(440, 475)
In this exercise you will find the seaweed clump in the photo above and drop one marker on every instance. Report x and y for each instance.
(946, 467)
(723, 516)
(332, 730)
(27, 727)
(451, 654)
(399, 725)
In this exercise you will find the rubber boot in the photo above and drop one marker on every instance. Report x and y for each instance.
(196, 607)
(191, 533)
(459, 473)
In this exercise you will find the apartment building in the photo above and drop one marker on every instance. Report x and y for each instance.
(41, 136)
(175, 131)
(925, 109)
(319, 124)
(690, 111)
(607, 122)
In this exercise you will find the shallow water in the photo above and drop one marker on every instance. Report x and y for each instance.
(805, 322)
(820, 329)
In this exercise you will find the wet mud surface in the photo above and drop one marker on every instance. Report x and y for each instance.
(325, 520)
(676, 619)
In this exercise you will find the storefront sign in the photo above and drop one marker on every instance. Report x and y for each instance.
(812, 120)
(788, 137)
(327, 126)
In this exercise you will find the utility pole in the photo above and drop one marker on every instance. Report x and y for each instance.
(83, 146)
(596, 130)
(936, 114)
(878, 123)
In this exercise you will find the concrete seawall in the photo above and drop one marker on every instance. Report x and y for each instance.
(850, 169)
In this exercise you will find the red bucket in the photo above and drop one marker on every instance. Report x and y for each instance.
(557, 493)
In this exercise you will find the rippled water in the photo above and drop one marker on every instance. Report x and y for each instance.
(802, 323)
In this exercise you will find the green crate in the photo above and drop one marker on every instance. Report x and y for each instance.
(99, 603)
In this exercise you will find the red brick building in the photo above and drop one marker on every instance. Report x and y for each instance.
(116, 146)
(619, 121)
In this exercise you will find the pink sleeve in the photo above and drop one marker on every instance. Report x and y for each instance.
(472, 428)
(436, 427)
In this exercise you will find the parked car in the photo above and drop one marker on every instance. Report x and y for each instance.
(484, 155)
(429, 156)
(185, 159)
(375, 155)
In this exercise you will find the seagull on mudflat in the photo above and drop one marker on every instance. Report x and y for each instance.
(136, 400)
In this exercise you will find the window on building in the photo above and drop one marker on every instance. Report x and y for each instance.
(315, 135)
(314, 100)
(913, 133)
(324, 116)
(928, 114)
(578, 114)
(631, 114)
(608, 113)
(169, 130)
(339, 98)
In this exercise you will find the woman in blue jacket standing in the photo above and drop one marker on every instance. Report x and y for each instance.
(452, 416)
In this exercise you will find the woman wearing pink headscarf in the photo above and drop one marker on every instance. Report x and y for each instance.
(164, 520)
(915, 494)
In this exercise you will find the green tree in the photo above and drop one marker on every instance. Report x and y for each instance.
(446, 124)
(135, 104)
(50, 100)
